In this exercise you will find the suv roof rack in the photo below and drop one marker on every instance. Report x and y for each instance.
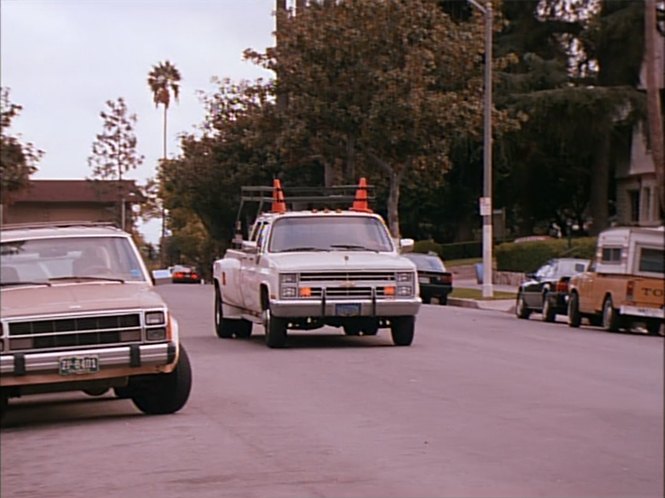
(58, 224)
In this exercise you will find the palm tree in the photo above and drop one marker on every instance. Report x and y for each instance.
(164, 79)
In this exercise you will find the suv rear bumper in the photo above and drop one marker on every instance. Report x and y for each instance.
(318, 308)
(18, 369)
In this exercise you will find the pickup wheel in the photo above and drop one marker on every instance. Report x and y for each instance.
(653, 327)
(401, 329)
(275, 328)
(610, 316)
(227, 328)
(165, 393)
(521, 309)
(574, 317)
(549, 313)
(222, 327)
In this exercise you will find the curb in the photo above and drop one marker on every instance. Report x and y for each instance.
(480, 305)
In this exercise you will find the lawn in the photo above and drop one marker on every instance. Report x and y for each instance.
(464, 293)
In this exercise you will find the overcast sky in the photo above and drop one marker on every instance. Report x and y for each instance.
(63, 59)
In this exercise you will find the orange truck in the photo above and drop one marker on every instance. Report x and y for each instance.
(624, 286)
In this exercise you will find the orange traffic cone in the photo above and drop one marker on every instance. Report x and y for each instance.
(278, 204)
(360, 202)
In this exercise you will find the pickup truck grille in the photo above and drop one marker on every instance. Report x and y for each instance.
(345, 292)
(347, 285)
(81, 331)
(384, 276)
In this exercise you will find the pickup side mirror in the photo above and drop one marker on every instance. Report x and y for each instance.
(249, 246)
(406, 245)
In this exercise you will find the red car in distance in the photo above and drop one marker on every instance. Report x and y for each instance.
(181, 274)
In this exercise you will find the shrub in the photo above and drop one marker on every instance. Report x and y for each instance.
(529, 256)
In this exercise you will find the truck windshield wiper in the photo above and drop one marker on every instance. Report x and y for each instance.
(303, 249)
(5, 284)
(88, 277)
(352, 247)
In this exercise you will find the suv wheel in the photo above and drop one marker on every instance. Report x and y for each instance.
(164, 393)
(549, 313)
(521, 309)
(402, 329)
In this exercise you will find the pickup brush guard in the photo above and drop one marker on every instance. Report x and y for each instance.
(308, 267)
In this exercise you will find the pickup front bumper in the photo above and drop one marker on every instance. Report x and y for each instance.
(345, 308)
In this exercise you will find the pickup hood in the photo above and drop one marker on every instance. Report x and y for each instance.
(77, 298)
(340, 261)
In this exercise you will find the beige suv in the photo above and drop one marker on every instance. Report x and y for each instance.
(79, 312)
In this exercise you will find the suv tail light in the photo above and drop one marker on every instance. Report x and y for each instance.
(562, 286)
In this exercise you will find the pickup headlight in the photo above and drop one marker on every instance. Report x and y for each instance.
(288, 285)
(405, 284)
(154, 318)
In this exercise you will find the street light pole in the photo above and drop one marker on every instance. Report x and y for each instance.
(486, 200)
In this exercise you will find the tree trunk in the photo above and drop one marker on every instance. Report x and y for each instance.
(600, 179)
(655, 118)
(393, 202)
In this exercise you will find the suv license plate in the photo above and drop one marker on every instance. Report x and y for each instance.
(346, 309)
(79, 365)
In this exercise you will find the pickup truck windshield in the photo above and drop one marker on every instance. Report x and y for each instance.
(329, 233)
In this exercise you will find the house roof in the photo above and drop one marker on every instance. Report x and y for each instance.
(78, 191)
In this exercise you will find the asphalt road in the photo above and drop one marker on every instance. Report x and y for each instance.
(481, 405)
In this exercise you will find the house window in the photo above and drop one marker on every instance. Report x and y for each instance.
(634, 199)
(647, 204)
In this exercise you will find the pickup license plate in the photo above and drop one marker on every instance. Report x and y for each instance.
(423, 280)
(73, 365)
(347, 309)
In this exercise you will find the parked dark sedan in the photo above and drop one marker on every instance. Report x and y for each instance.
(435, 281)
(181, 274)
(546, 290)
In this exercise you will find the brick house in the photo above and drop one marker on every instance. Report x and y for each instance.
(73, 200)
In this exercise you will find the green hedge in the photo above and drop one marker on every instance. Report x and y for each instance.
(514, 256)
(529, 256)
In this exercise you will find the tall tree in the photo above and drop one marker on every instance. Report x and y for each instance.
(114, 151)
(378, 88)
(18, 160)
(164, 81)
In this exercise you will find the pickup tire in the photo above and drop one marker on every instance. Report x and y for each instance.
(574, 317)
(521, 309)
(226, 327)
(611, 319)
(164, 393)
(275, 328)
(402, 329)
(653, 327)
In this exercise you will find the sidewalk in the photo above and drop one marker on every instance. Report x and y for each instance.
(505, 305)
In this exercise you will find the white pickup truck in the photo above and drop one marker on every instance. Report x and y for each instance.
(309, 268)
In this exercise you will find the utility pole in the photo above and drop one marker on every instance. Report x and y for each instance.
(486, 200)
